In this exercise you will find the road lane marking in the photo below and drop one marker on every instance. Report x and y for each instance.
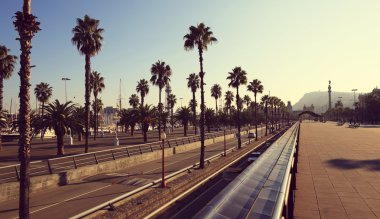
(69, 199)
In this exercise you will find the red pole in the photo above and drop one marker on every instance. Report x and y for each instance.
(163, 185)
(225, 152)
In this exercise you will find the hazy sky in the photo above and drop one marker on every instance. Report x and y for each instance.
(293, 47)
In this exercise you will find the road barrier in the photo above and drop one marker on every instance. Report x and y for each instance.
(57, 165)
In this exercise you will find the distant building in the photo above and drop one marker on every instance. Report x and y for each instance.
(168, 91)
(110, 115)
(289, 106)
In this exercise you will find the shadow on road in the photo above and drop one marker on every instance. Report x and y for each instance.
(373, 165)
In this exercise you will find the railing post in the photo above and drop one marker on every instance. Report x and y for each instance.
(168, 144)
(128, 152)
(17, 173)
(113, 155)
(96, 159)
(49, 167)
(151, 148)
(140, 150)
(75, 163)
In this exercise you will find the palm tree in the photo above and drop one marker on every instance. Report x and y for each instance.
(200, 36)
(129, 117)
(209, 118)
(142, 88)
(147, 117)
(255, 86)
(172, 100)
(43, 92)
(247, 100)
(58, 118)
(134, 101)
(27, 26)
(229, 98)
(216, 92)
(184, 116)
(265, 100)
(160, 77)
(97, 86)
(78, 121)
(7, 65)
(193, 84)
(88, 40)
(237, 77)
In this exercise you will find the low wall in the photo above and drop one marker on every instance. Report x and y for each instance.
(9, 191)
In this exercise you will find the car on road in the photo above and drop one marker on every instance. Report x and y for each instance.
(251, 135)
(253, 156)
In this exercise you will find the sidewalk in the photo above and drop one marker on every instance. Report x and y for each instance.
(338, 172)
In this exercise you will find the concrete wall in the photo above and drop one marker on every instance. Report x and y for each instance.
(10, 191)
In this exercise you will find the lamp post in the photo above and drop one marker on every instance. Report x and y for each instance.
(66, 79)
(163, 137)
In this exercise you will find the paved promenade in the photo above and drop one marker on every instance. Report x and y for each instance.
(338, 172)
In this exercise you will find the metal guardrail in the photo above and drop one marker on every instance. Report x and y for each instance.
(111, 202)
(55, 165)
(264, 189)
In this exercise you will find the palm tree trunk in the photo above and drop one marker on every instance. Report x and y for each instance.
(142, 100)
(96, 116)
(266, 118)
(172, 119)
(1, 105)
(160, 113)
(87, 101)
(42, 115)
(202, 119)
(60, 144)
(255, 116)
(216, 106)
(238, 116)
(194, 115)
(24, 114)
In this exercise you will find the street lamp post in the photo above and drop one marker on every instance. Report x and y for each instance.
(163, 137)
(66, 79)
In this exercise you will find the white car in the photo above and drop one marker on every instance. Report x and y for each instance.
(253, 156)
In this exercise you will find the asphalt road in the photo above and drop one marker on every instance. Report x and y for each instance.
(72, 199)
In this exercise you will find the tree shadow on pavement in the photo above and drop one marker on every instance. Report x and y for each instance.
(373, 165)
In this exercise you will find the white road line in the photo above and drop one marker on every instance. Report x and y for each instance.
(69, 199)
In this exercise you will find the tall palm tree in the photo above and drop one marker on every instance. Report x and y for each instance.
(209, 118)
(256, 87)
(229, 98)
(216, 92)
(97, 86)
(172, 100)
(200, 36)
(237, 77)
(7, 65)
(193, 84)
(265, 100)
(147, 117)
(134, 101)
(184, 116)
(43, 92)
(160, 77)
(78, 121)
(88, 40)
(59, 118)
(247, 100)
(142, 88)
(27, 26)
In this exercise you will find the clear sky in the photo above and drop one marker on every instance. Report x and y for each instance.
(293, 47)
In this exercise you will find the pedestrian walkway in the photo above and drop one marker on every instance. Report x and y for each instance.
(338, 172)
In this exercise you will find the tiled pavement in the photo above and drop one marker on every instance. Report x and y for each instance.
(338, 172)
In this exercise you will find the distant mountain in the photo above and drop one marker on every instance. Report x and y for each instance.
(320, 100)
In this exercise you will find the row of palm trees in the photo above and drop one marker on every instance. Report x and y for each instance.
(88, 39)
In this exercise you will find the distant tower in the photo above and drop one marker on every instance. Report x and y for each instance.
(168, 91)
(329, 95)
(290, 108)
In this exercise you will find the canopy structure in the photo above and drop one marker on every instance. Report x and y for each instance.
(310, 113)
